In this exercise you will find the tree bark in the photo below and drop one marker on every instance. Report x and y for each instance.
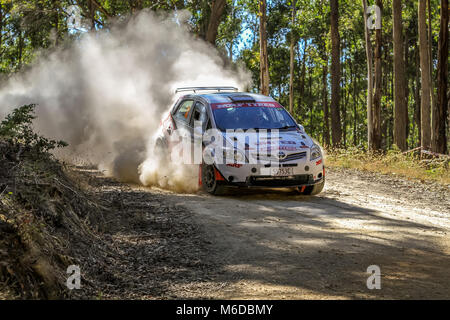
(369, 78)
(430, 60)
(264, 64)
(336, 130)
(91, 8)
(1, 30)
(217, 9)
(425, 77)
(21, 44)
(400, 106)
(417, 105)
(326, 121)
(135, 5)
(56, 6)
(291, 60)
(440, 110)
(376, 109)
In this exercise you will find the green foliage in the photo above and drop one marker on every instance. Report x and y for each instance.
(17, 129)
(393, 161)
(28, 26)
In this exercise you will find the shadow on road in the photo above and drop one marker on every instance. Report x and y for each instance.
(265, 245)
(276, 244)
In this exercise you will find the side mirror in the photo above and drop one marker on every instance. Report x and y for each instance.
(302, 129)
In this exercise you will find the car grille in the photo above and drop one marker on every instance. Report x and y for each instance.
(271, 181)
(294, 156)
(273, 158)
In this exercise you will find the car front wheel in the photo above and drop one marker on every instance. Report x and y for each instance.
(209, 180)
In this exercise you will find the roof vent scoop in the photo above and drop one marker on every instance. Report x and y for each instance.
(241, 98)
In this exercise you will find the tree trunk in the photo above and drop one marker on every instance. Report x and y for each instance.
(291, 60)
(336, 131)
(21, 44)
(376, 109)
(369, 78)
(217, 9)
(344, 95)
(1, 30)
(135, 5)
(400, 107)
(326, 121)
(406, 82)
(417, 105)
(355, 111)
(440, 110)
(91, 8)
(323, 53)
(430, 57)
(311, 105)
(264, 64)
(56, 22)
(425, 77)
(302, 76)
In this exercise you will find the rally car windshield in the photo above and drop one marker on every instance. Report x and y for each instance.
(258, 117)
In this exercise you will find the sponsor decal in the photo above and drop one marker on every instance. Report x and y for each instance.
(226, 105)
(234, 165)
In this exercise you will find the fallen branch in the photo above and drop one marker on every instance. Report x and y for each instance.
(81, 196)
(1, 194)
(412, 150)
(440, 155)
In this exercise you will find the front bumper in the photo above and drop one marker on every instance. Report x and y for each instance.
(304, 173)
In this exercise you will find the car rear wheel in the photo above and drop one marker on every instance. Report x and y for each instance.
(209, 180)
(312, 190)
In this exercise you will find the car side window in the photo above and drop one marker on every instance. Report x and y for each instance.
(182, 113)
(199, 114)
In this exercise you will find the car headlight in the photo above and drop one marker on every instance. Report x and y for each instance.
(315, 152)
(233, 155)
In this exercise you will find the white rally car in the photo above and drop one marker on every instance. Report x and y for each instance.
(247, 140)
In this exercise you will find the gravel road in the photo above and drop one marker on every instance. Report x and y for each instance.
(279, 245)
(275, 244)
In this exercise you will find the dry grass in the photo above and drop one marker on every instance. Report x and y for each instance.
(409, 165)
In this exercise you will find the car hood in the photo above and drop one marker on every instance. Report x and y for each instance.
(288, 141)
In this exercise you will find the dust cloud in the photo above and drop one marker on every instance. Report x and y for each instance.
(106, 93)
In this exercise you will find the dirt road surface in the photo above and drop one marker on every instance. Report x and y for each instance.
(279, 245)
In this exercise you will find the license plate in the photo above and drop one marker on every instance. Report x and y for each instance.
(281, 172)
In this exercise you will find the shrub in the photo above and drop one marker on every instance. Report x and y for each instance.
(17, 129)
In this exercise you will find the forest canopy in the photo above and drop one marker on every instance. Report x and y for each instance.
(366, 74)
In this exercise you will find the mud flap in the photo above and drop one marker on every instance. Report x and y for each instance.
(218, 175)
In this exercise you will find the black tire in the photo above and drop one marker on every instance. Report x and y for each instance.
(313, 190)
(209, 182)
